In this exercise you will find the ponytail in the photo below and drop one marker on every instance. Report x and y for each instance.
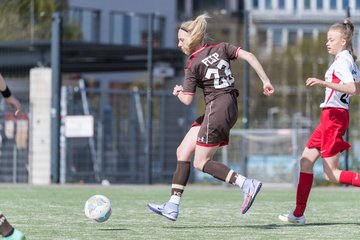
(196, 30)
(347, 30)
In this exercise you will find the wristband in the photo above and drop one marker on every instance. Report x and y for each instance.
(178, 91)
(6, 93)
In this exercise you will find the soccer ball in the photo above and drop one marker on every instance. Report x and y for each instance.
(98, 208)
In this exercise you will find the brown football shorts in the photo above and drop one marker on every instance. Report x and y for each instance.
(220, 116)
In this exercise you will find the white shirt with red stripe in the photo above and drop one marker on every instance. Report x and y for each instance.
(342, 70)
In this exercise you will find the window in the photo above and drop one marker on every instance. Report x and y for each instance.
(181, 10)
(158, 35)
(137, 30)
(205, 5)
(292, 38)
(333, 4)
(307, 35)
(119, 33)
(357, 4)
(307, 4)
(345, 4)
(255, 4)
(132, 29)
(356, 40)
(89, 22)
(261, 38)
(277, 38)
(268, 4)
(319, 4)
(295, 6)
(281, 4)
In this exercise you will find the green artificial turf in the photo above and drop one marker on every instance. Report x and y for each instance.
(207, 212)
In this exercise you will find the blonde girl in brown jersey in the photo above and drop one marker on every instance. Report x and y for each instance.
(209, 68)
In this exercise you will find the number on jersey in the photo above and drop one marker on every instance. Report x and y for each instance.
(220, 82)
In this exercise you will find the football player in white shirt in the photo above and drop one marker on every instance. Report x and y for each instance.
(326, 141)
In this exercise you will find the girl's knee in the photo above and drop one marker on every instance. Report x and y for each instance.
(306, 165)
(198, 165)
(330, 178)
(327, 178)
(178, 152)
(332, 175)
(184, 154)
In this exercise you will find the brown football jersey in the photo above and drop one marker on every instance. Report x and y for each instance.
(209, 68)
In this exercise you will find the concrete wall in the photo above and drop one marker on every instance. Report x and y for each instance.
(40, 126)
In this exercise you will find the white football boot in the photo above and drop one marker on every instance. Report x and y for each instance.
(251, 188)
(290, 218)
(168, 210)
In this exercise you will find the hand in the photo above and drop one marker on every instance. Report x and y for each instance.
(314, 81)
(268, 89)
(12, 101)
(177, 90)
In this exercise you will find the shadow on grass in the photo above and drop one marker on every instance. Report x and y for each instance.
(267, 226)
(114, 229)
(274, 226)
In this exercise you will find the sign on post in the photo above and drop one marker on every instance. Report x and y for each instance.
(77, 126)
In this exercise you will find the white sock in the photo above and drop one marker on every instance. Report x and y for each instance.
(175, 199)
(240, 179)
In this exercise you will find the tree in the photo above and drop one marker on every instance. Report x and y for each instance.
(289, 68)
(32, 19)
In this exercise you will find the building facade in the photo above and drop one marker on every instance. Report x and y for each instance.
(125, 22)
(279, 23)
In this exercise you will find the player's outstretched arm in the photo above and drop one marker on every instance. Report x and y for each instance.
(349, 88)
(255, 64)
(184, 98)
(11, 100)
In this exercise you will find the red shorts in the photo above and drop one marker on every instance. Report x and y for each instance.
(327, 137)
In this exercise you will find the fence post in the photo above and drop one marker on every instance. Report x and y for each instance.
(55, 94)
(149, 100)
(246, 90)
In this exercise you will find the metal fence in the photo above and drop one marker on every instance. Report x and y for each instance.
(14, 140)
(116, 152)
